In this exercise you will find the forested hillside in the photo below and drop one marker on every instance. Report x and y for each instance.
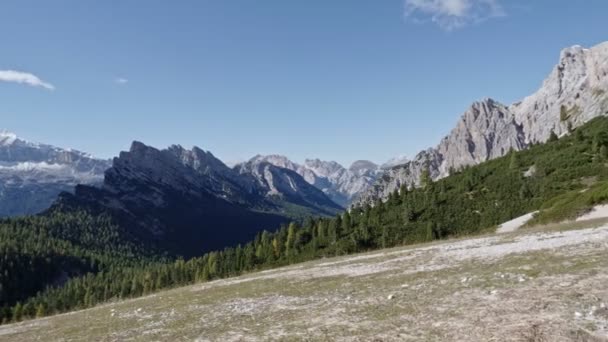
(563, 177)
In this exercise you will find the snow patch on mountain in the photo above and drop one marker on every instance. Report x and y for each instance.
(32, 174)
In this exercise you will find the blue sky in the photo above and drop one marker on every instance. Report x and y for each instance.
(338, 80)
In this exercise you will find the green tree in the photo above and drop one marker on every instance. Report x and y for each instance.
(579, 135)
(599, 139)
(603, 153)
(40, 312)
(514, 161)
(291, 238)
(425, 178)
(17, 312)
(553, 136)
(429, 231)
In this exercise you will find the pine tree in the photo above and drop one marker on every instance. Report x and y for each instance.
(40, 312)
(291, 238)
(599, 140)
(429, 231)
(425, 179)
(524, 191)
(603, 153)
(514, 162)
(579, 135)
(553, 136)
(346, 225)
(17, 312)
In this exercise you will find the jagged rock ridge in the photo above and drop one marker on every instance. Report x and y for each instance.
(337, 182)
(187, 201)
(575, 92)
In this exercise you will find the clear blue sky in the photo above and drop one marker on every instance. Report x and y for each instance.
(335, 79)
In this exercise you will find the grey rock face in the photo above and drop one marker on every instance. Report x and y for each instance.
(575, 92)
(286, 184)
(182, 201)
(32, 175)
(341, 185)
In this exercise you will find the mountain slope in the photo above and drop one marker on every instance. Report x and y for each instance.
(539, 285)
(187, 201)
(560, 179)
(575, 92)
(285, 185)
(32, 175)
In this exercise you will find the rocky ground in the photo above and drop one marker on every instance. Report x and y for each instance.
(540, 284)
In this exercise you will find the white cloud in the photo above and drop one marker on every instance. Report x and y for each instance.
(121, 80)
(24, 78)
(452, 14)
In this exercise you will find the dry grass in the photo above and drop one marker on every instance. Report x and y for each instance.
(539, 284)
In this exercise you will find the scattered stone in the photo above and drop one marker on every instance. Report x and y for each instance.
(578, 314)
(390, 296)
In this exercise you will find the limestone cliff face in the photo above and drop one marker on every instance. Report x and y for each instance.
(340, 184)
(575, 92)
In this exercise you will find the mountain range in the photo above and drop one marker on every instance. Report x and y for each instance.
(117, 229)
(341, 184)
(32, 175)
(188, 201)
(575, 92)
(166, 193)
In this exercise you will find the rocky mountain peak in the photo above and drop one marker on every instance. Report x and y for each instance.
(323, 168)
(275, 159)
(393, 162)
(7, 138)
(362, 166)
(575, 92)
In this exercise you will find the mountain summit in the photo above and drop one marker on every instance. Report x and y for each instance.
(340, 184)
(32, 175)
(575, 92)
(186, 202)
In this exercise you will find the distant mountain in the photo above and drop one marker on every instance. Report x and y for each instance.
(396, 161)
(340, 184)
(187, 201)
(286, 185)
(575, 92)
(32, 175)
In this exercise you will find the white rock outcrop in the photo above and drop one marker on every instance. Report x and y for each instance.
(575, 92)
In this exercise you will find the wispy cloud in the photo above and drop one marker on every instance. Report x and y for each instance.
(452, 14)
(24, 78)
(121, 80)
